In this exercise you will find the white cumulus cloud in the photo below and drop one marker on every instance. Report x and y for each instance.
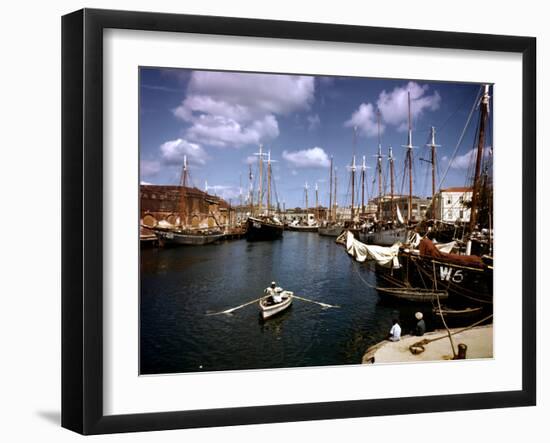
(307, 158)
(173, 151)
(465, 160)
(235, 109)
(393, 107)
(225, 192)
(365, 119)
(215, 130)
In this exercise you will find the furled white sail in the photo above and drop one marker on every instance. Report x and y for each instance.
(414, 239)
(384, 256)
(399, 216)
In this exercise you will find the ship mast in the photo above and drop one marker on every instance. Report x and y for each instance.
(335, 193)
(260, 167)
(433, 146)
(330, 193)
(409, 147)
(183, 184)
(250, 189)
(184, 173)
(268, 181)
(316, 201)
(479, 158)
(379, 167)
(353, 168)
(363, 181)
(305, 190)
(392, 202)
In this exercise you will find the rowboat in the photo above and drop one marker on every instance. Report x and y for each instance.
(417, 295)
(457, 313)
(181, 237)
(269, 309)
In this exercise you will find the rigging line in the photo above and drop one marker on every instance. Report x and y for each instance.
(456, 287)
(356, 269)
(452, 115)
(428, 341)
(474, 106)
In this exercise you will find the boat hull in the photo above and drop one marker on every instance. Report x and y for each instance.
(261, 230)
(384, 238)
(457, 313)
(413, 295)
(465, 284)
(302, 228)
(268, 311)
(176, 238)
(330, 231)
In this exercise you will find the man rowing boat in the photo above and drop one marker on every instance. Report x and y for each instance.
(275, 292)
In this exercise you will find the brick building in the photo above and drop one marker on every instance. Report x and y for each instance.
(192, 207)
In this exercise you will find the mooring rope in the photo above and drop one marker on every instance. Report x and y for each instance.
(428, 341)
(355, 267)
(441, 313)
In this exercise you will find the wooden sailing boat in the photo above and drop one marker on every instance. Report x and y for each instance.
(263, 226)
(466, 278)
(182, 233)
(309, 224)
(331, 227)
(353, 223)
(387, 232)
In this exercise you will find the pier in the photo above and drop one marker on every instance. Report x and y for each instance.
(478, 340)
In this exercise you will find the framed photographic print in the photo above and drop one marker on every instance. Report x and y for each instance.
(269, 221)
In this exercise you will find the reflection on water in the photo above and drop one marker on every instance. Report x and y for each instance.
(180, 285)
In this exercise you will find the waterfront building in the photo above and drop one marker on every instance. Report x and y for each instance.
(302, 216)
(451, 204)
(419, 206)
(192, 207)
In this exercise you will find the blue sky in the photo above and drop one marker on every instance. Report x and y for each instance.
(218, 119)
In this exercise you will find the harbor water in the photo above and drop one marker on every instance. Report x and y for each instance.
(180, 285)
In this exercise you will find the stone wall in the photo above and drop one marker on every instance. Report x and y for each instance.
(192, 207)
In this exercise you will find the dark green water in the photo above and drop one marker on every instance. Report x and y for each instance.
(180, 285)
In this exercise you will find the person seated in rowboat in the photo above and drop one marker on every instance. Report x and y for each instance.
(420, 329)
(275, 292)
(395, 331)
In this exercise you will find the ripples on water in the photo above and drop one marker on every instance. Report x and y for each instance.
(180, 285)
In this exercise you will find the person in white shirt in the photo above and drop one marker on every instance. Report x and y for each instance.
(275, 293)
(395, 331)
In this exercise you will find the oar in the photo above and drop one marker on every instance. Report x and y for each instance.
(229, 311)
(324, 305)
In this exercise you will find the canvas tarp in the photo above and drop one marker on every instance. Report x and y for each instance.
(384, 256)
(428, 249)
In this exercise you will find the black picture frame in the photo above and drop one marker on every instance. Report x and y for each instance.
(82, 218)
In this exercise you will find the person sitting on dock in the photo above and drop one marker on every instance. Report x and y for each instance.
(395, 331)
(420, 329)
(275, 292)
